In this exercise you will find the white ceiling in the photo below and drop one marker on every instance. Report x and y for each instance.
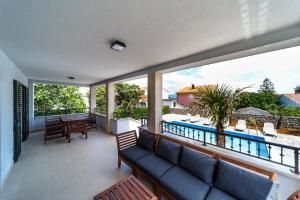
(53, 39)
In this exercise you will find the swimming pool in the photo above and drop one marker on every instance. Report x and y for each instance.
(195, 131)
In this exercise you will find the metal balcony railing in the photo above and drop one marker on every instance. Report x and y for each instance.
(242, 143)
(42, 113)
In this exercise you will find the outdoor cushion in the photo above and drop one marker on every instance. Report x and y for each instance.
(168, 150)
(198, 164)
(216, 194)
(146, 140)
(183, 185)
(241, 183)
(274, 192)
(154, 165)
(132, 154)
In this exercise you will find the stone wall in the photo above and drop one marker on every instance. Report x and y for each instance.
(286, 122)
(184, 111)
(179, 111)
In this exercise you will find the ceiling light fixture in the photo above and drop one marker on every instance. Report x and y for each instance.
(71, 77)
(117, 45)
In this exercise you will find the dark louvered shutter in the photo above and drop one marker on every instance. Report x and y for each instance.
(17, 119)
(25, 108)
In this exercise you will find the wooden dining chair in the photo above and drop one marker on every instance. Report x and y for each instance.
(91, 121)
(54, 128)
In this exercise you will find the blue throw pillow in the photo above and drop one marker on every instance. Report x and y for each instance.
(241, 183)
(168, 150)
(198, 164)
(146, 140)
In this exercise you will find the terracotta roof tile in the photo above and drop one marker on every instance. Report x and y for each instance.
(187, 90)
(191, 90)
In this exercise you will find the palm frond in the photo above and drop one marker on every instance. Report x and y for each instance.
(218, 101)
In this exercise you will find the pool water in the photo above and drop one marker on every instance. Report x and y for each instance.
(194, 131)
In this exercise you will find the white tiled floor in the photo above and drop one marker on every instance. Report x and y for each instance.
(62, 171)
(77, 171)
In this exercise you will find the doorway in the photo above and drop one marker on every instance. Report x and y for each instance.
(21, 117)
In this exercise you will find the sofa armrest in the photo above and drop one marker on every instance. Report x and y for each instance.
(126, 139)
(295, 195)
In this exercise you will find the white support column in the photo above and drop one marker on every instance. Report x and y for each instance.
(93, 99)
(154, 101)
(31, 105)
(110, 105)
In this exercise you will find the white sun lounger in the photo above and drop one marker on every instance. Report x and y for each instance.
(241, 125)
(269, 129)
(187, 117)
(195, 119)
(205, 121)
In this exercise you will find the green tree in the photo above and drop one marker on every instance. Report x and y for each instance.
(267, 86)
(126, 99)
(257, 100)
(101, 99)
(219, 103)
(261, 100)
(127, 96)
(57, 99)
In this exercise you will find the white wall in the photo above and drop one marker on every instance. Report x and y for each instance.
(8, 72)
(101, 121)
(124, 125)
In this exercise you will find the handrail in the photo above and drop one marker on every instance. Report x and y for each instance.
(194, 133)
(54, 112)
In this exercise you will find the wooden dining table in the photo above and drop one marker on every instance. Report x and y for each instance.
(69, 120)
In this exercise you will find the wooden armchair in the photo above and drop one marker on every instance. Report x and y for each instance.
(125, 140)
(295, 195)
(54, 128)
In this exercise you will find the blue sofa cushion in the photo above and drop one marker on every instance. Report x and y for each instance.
(216, 194)
(132, 154)
(168, 150)
(154, 165)
(183, 185)
(146, 140)
(198, 164)
(241, 183)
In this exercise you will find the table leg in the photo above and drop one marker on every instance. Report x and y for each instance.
(68, 133)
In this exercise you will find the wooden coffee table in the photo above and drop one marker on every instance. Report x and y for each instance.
(129, 188)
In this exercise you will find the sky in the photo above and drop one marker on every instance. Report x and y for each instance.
(282, 67)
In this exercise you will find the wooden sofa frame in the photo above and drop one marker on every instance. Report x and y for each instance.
(128, 139)
(295, 195)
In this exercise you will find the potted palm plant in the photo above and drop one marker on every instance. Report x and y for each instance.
(218, 102)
